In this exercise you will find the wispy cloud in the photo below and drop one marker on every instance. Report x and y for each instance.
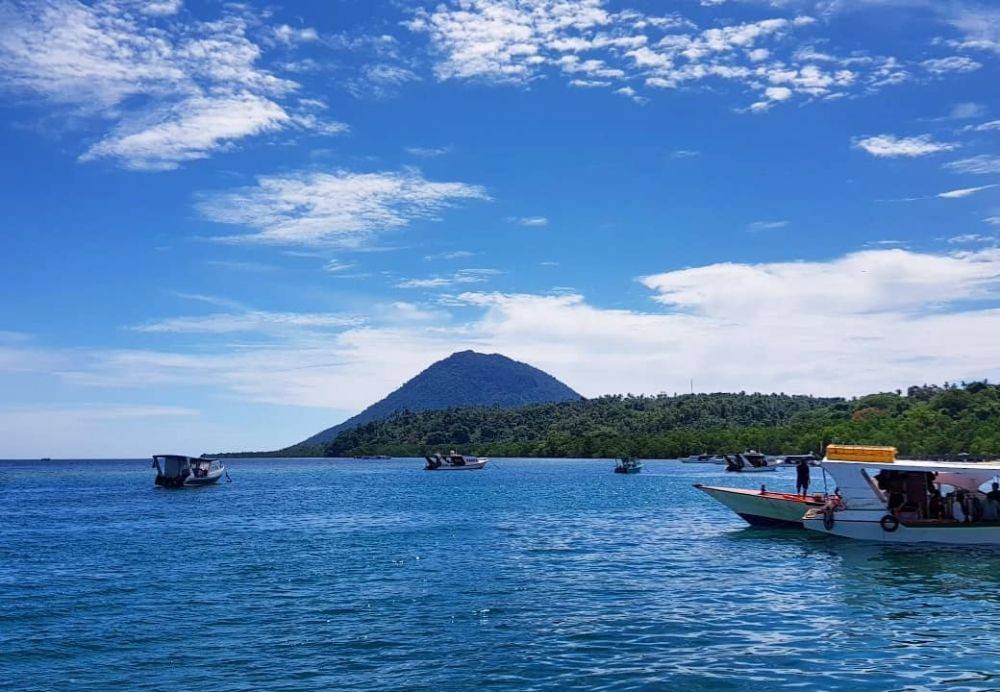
(336, 266)
(528, 220)
(247, 322)
(890, 146)
(428, 152)
(462, 276)
(172, 89)
(340, 208)
(451, 255)
(766, 225)
(983, 164)
(972, 239)
(684, 153)
(241, 266)
(952, 63)
(964, 192)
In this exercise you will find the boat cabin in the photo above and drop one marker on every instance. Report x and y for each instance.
(921, 492)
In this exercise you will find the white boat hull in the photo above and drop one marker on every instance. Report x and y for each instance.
(865, 525)
(767, 509)
(213, 476)
(474, 466)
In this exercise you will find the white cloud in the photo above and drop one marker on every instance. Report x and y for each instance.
(953, 63)
(340, 207)
(451, 255)
(983, 127)
(192, 129)
(983, 164)
(248, 321)
(885, 146)
(966, 110)
(462, 276)
(964, 192)
(335, 266)
(170, 90)
(971, 239)
(992, 220)
(529, 220)
(684, 153)
(428, 152)
(767, 225)
(867, 321)
(516, 41)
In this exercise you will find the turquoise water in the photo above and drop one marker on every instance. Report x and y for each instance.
(317, 574)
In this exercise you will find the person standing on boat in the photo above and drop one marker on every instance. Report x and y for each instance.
(802, 477)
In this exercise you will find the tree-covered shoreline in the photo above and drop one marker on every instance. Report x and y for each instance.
(923, 421)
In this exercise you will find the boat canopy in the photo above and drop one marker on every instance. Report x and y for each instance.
(856, 480)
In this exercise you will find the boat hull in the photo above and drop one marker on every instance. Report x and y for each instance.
(474, 466)
(763, 509)
(866, 526)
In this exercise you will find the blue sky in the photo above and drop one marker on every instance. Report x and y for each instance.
(228, 226)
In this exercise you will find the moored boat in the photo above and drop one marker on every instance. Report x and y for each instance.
(749, 462)
(628, 465)
(178, 471)
(881, 498)
(454, 462)
(762, 507)
(704, 459)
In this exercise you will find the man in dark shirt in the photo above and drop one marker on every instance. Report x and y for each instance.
(802, 477)
(994, 494)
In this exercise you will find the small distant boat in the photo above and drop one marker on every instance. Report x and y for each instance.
(749, 462)
(373, 456)
(764, 508)
(454, 462)
(704, 459)
(45, 459)
(177, 471)
(628, 465)
(794, 459)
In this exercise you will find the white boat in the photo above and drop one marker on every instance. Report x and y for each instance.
(178, 471)
(704, 459)
(762, 507)
(880, 498)
(749, 462)
(454, 462)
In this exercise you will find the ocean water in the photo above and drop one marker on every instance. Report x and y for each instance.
(532, 574)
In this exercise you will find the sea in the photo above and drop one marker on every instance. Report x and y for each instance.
(529, 575)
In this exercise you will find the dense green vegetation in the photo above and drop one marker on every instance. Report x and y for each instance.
(926, 420)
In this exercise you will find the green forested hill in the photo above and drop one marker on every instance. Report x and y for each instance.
(926, 420)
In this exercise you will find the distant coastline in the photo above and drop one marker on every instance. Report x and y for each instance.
(925, 421)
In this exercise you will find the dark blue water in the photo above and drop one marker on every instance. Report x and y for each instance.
(318, 574)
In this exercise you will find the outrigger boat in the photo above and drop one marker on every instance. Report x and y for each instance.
(763, 507)
(454, 462)
(749, 462)
(176, 471)
(628, 465)
(881, 498)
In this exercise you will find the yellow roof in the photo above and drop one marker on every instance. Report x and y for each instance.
(836, 452)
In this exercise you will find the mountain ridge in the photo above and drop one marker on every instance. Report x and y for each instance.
(463, 379)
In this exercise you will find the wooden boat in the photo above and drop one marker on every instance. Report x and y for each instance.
(749, 462)
(763, 507)
(178, 471)
(628, 465)
(881, 498)
(454, 462)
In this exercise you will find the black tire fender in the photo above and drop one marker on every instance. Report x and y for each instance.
(889, 523)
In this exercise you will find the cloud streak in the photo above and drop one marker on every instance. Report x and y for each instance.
(340, 208)
(891, 146)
